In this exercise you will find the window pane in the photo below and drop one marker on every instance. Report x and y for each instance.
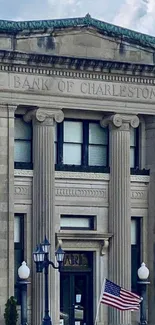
(17, 229)
(72, 154)
(74, 222)
(22, 129)
(97, 156)
(132, 137)
(97, 134)
(22, 151)
(132, 157)
(133, 232)
(135, 252)
(55, 153)
(73, 132)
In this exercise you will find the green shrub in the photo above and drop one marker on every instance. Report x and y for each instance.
(10, 313)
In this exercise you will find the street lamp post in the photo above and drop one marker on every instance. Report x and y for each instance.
(41, 258)
(143, 273)
(23, 273)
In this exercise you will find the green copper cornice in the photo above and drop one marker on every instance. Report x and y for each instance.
(13, 27)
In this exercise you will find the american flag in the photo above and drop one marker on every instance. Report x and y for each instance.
(117, 297)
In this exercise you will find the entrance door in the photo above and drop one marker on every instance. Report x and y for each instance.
(76, 303)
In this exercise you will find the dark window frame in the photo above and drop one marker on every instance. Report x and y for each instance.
(136, 150)
(91, 218)
(19, 247)
(136, 253)
(20, 164)
(84, 167)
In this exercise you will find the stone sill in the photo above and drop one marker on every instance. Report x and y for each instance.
(82, 176)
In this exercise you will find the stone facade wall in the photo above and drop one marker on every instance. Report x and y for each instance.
(6, 205)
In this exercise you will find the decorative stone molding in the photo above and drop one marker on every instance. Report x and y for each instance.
(7, 109)
(84, 240)
(82, 176)
(23, 194)
(139, 194)
(23, 173)
(44, 115)
(77, 74)
(11, 108)
(22, 190)
(78, 245)
(140, 178)
(81, 192)
(104, 247)
(119, 119)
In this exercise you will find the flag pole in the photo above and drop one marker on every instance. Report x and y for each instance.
(98, 306)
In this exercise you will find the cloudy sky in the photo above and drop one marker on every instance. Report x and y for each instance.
(134, 14)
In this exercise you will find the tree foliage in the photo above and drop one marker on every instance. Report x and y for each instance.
(10, 313)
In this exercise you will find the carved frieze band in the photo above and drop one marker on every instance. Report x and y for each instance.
(139, 195)
(76, 74)
(25, 192)
(80, 192)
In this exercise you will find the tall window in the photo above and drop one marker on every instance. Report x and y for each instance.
(98, 145)
(134, 148)
(72, 143)
(18, 249)
(81, 145)
(135, 251)
(23, 144)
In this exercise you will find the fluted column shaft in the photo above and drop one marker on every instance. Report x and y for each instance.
(119, 209)
(44, 206)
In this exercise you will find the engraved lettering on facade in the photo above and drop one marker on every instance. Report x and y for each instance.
(61, 86)
(70, 85)
(65, 86)
(16, 82)
(108, 90)
(77, 87)
(35, 83)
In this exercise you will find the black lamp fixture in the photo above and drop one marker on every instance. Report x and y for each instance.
(42, 261)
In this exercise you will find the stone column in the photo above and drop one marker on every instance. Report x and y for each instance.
(119, 208)
(6, 205)
(44, 206)
(150, 254)
(10, 267)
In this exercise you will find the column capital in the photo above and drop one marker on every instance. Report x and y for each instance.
(45, 116)
(11, 110)
(7, 110)
(118, 120)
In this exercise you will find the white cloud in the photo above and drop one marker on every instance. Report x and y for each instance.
(138, 15)
(64, 8)
(134, 14)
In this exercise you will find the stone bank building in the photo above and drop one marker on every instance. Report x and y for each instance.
(77, 162)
